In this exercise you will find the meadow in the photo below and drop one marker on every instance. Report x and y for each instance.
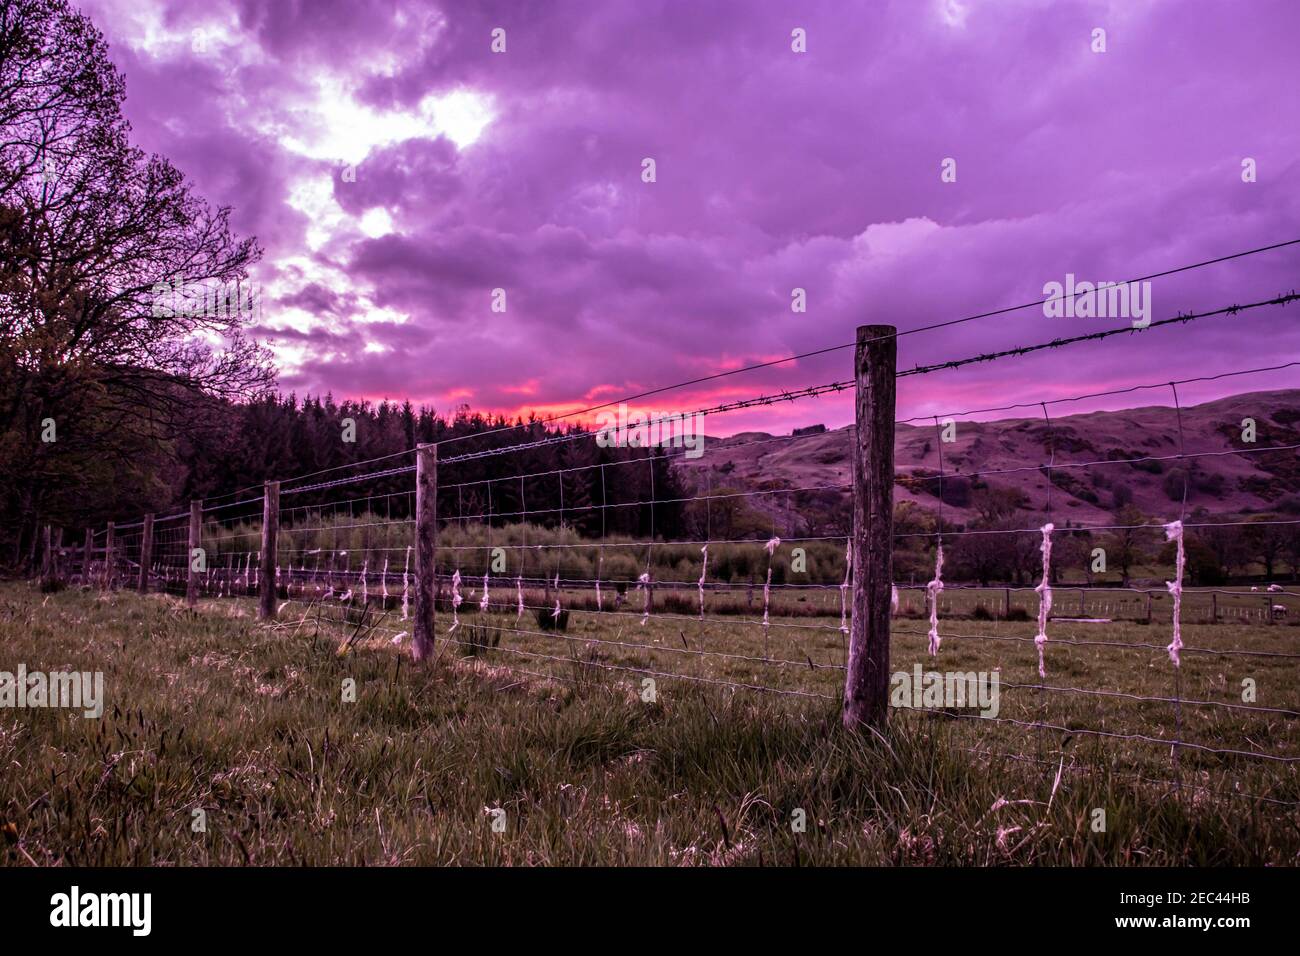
(490, 756)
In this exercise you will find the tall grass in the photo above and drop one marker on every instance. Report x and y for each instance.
(209, 711)
(353, 540)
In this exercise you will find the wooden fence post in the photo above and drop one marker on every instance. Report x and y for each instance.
(146, 554)
(426, 550)
(48, 573)
(195, 543)
(108, 558)
(270, 535)
(58, 556)
(87, 557)
(866, 684)
(33, 544)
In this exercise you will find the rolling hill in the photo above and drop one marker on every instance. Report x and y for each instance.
(1101, 461)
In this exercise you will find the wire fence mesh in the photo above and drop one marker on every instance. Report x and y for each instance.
(590, 588)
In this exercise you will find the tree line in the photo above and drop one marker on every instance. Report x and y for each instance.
(492, 470)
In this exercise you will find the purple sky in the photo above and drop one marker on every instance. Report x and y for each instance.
(775, 170)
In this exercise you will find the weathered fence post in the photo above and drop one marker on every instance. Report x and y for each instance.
(866, 684)
(195, 544)
(58, 555)
(270, 534)
(426, 549)
(33, 545)
(87, 557)
(146, 554)
(108, 558)
(48, 573)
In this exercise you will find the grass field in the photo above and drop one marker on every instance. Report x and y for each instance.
(209, 710)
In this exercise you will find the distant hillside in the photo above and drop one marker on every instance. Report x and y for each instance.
(1223, 483)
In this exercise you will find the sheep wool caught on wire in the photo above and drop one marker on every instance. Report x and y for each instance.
(1044, 590)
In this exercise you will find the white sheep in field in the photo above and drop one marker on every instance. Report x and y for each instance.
(1279, 610)
(1275, 588)
(1253, 588)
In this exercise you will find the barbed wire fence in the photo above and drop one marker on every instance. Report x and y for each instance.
(414, 551)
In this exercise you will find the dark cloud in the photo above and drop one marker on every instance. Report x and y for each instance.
(775, 170)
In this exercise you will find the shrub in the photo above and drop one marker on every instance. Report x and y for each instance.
(547, 620)
(1289, 504)
(1173, 484)
(478, 638)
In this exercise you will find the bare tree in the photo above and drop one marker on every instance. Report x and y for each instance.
(1267, 542)
(992, 503)
(56, 87)
(1126, 546)
(1229, 546)
(988, 556)
(1072, 551)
